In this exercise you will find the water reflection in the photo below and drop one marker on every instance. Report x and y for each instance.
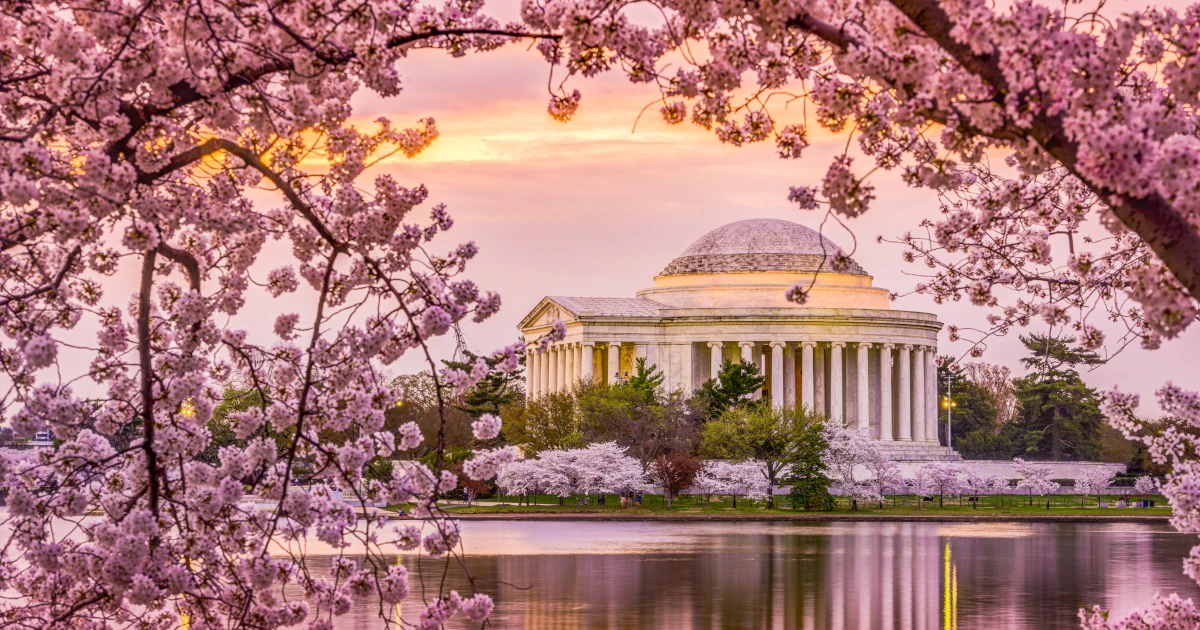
(902, 576)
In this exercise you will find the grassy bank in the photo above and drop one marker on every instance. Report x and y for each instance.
(997, 506)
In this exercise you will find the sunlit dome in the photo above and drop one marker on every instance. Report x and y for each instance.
(758, 245)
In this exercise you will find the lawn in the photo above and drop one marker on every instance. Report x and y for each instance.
(993, 505)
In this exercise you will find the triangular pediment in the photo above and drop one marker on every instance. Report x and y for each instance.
(545, 314)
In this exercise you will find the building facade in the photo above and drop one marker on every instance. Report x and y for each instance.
(844, 353)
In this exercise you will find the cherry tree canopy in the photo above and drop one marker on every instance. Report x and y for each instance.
(132, 135)
(1094, 113)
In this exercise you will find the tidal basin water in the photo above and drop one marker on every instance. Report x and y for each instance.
(907, 576)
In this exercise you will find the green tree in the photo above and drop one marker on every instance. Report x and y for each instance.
(621, 413)
(494, 391)
(646, 381)
(419, 403)
(733, 386)
(550, 421)
(984, 444)
(807, 472)
(1058, 415)
(222, 425)
(972, 408)
(773, 437)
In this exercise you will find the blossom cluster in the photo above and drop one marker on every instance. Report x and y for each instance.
(135, 140)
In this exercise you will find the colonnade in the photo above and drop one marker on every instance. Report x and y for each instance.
(881, 386)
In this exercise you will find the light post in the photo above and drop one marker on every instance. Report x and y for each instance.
(949, 404)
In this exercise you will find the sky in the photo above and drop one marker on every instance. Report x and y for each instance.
(594, 207)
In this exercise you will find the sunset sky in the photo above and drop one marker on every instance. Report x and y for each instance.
(591, 207)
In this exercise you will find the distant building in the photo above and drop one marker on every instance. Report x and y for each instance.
(845, 352)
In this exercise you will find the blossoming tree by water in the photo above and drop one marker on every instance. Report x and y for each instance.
(1035, 478)
(740, 479)
(940, 478)
(846, 455)
(132, 137)
(1095, 480)
(597, 468)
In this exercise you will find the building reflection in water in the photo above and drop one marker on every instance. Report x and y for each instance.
(888, 576)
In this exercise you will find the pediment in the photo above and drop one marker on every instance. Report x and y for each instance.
(545, 314)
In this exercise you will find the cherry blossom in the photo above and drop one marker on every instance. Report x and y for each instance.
(742, 479)
(1035, 477)
(847, 456)
(1094, 480)
(203, 154)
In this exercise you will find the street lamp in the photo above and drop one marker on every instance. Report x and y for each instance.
(949, 405)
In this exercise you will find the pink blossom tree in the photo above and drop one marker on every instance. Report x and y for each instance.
(941, 478)
(1034, 478)
(135, 140)
(1144, 485)
(732, 479)
(595, 469)
(847, 453)
(1095, 480)
(885, 476)
(973, 481)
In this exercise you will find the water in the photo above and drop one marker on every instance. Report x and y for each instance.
(906, 576)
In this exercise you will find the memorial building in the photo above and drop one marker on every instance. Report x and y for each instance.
(845, 352)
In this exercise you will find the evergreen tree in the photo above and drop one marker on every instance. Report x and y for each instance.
(733, 386)
(974, 408)
(807, 472)
(646, 381)
(1058, 415)
(494, 391)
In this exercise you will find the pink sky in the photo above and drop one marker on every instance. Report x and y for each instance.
(592, 208)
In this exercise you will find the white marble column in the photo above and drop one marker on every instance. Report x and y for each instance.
(569, 382)
(906, 423)
(747, 350)
(588, 349)
(564, 376)
(686, 368)
(531, 376)
(931, 385)
(777, 398)
(837, 395)
(789, 375)
(885, 391)
(863, 374)
(577, 373)
(918, 395)
(806, 376)
(715, 348)
(614, 362)
(821, 387)
(552, 355)
(543, 359)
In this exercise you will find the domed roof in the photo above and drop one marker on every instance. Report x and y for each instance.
(759, 245)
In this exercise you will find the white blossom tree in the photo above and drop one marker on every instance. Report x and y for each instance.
(941, 478)
(1034, 478)
(885, 476)
(847, 453)
(599, 468)
(732, 479)
(1094, 480)
(1144, 485)
(976, 483)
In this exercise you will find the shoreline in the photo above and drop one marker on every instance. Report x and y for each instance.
(819, 518)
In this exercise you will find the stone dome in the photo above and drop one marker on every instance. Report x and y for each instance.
(758, 245)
